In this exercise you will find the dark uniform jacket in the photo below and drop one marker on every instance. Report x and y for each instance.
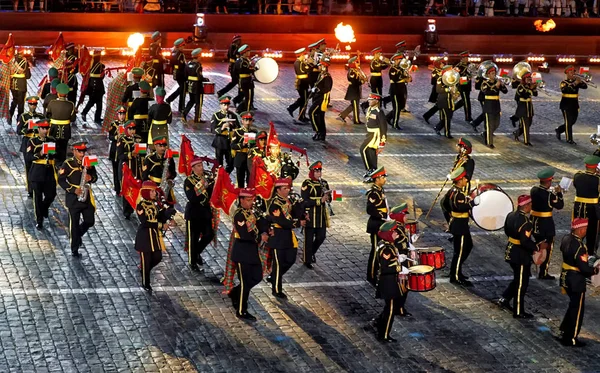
(72, 69)
(248, 228)
(152, 168)
(244, 70)
(301, 69)
(542, 203)
(60, 111)
(402, 242)
(42, 167)
(96, 80)
(570, 91)
(126, 154)
(587, 189)
(480, 95)
(46, 89)
(388, 285)
(444, 98)
(20, 73)
(520, 247)
(435, 75)
(376, 67)
(128, 95)
(282, 219)
(398, 77)
(138, 112)
(157, 63)
(152, 218)
(311, 192)
(69, 178)
(47, 100)
(322, 90)
(491, 104)
(218, 127)
(198, 190)
(193, 71)
(523, 98)
(255, 152)
(377, 208)
(460, 208)
(464, 72)
(376, 127)
(354, 90)
(23, 128)
(178, 63)
(113, 136)
(575, 268)
(160, 114)
(239, 150)
(232, 55)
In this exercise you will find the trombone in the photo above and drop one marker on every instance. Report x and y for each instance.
(587, 78)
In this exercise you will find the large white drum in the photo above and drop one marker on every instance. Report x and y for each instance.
(494, 206)
(267, 70)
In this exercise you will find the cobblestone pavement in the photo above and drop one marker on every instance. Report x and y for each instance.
(60, 314)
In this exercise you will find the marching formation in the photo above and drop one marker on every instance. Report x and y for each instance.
(265, 210)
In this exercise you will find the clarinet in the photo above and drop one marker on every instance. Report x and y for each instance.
(322, 182)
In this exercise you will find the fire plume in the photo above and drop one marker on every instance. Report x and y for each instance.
(544, 26)
(344, 33)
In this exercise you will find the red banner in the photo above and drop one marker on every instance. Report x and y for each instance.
(273, 137)
(261, 179)
(186, 156)
(8, 50)
(224, 193)
(55, 49)
(130, 187)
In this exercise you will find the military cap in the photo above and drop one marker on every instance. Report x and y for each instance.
(32, 100)
(196, 52)
(160, 91)
(195, 161)
(546, 174)
(155, 35)
(352, 60)
(579, 223)
(137, 71)
(247, 115)
(523, 199)
(236, 38)
(325, 62)
(300, 51)
(261, 135)
(62, 89)
(492, 67)
(465, 143)
(69, 45)
(286, 181)
(376, 50)
(55, 83)
(243, 48)
(387, 229)
(591, 161)
(378, 173)
(129, 124)
(374, 96)
(80, 145)
(144, 86)
(121, 109)
(247, 192)
(43, 123)
(149, 184)
(224, 100)
(464, 54)
(313, 45)
(399, 209)
(397, 56)
(526, 75)
(568, 68)
(321, 42)
(318, 165)
(159, 140)
(458, 174)
(52, 72)
(178, 42)
(400, 44)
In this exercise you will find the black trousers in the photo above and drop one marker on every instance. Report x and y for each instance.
(116, 177)
(465, 103)
(376, 84)
(27, 168)
(43, 196)
(368, 155)
(127, 209)
(429, 113)
(313, 239)
(373, 264)
(199, 233)
(283, 260)
(463, 244)
(72, 96)
(570, 118)
(149, 260)
(247, 100)
(301, 102)
(317, 118)
(524, 126)
(445, 121)
(580, 210)
(223, 156)
(77, 227)
(492, 122)
(250, 275)
(196, 101)
(352, 107)
(18, 102)
(480, 118)
(518, 287)
(386, 318)
(571, 324)
(229, 87)
(179, 93)
(243, 174)
(95, 99)
(61, 151)
(398, 104)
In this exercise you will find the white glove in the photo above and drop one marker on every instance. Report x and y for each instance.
(411, 247)
(314, 89)
(404, 271)
(448, 177)
(476, 200)
(415, 238)
(402, 258)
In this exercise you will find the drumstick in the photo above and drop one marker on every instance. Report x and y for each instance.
(436, 198)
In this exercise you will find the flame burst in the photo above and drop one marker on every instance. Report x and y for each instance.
(344, 33)
(134, 41)
(544, 26)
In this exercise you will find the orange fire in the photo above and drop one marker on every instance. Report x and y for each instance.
(348, 47)
(344, 33)
(544, 26)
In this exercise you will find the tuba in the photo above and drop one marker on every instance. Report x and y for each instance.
(521, 69)
(405, 64)
(485, 66)
(450, 79)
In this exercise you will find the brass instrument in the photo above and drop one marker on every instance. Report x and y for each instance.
(384, 59)
(331, 51)
(587, 78)
(472, 70)
(595, 139)
(83, 185)
(327, 191)
(450, 79)
(405, 64)
(165, 184)
(521, 69)
(361, 75)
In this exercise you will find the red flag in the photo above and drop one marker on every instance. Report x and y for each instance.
(130, 187)
(261, 179)
(135, 60)
(186, 156)
(8, 50)
(56, 49)
(224, 193)
(273, 137)
(85, 60)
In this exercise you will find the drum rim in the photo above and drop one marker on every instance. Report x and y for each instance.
(276, 64)
(512, 203)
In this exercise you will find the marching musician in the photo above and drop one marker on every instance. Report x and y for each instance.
(195, 87)
(518, 254)
(436, 74)
(569, 103)
(356, 78)
(113, 137)
(377, 209)
(154, 164)
(587, 187)
(283, 242)
(463, 159)
(315, 194)
(159, 116)
(240, 146)
(70, 179)
(245, 68)
(178, 64)
(460, 206)
(127, 153)
(221, 124)
(95, 89)
(42, 176)
(61, 113)
(481, 98)
(316, 51)
(399, 78)
(52, 95)
(155, 51)
(525, 91)
(132, 90)
(302, 69)
(491, 88)
(320, 100)
(19, 74)
(378, 64)
(149, 242)
(464, 88)
(52, 74)
(138, 111)
(575, 270)
(376, 135)
(259, 150)
(445, 103)
(28, 133)
(403, 245)
(232, 56)
(198, 213)
(72, 68)
(250, 231)
(543, 201)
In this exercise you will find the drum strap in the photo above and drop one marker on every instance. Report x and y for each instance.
(567, 267)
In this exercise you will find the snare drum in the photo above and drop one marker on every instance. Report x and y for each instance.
(432, 256)
(209, 88)
(421, 278)
(494, 206)
(411, 226)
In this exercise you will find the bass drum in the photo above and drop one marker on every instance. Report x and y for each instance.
(267, 70)
(494, 206)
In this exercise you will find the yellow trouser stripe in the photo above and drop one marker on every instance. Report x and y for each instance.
(519, 291)
(462, 241)
(391, 314)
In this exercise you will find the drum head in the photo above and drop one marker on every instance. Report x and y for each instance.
(421, 269)
(430, 249)
(267, 70)
(494, 206)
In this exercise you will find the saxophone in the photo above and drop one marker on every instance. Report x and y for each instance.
(84, 186)
(165, 184)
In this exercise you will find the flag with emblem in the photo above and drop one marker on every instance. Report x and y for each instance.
(140, 148)
(504, 72)
(464, 80)
(121, 130)
(584, 70)
(55, 49)
(172, 154)
(49, 148)
(336, 195)
(414, 68)
(130, 187)
(224, 193)
(8, 50)
(31, 125)
(250, 138)
(186, 156)
(261, 179)
(536, 77)
(90, 161)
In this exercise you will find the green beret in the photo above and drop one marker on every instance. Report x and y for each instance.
(160, 140)
(55, 83)
(32, 99)
(458, 173)
(317, 164)
(160, 91)
(224, 98)
(591, 159)
(178, 42)
(378, 172)
(388, 226)
(53, 72)
(397, 56)
(137, 71)
(464, 142)
(546, 173)
(398, 209)
(155, 35)
(144, 86)
(352, 60)
(243, 48)
(196, 52)
(62, 89)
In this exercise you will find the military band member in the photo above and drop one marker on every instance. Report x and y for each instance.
(569, 103)
(519, 251)
(245, 70)
(149, 242)
(232, 56)
(316, 51)
(155, 51)
(240, 146)
(52, 74)
(399, 78)
(491, 89)
(376, 135)
(52, 95)
(320, 100)
(70, 179)
(316, 195)
(159, 116)
(404, 247)
(301, 68)
(378, 64)
(377, 209)
(259, 150)
(198, 213)
(178, 64)
(587, 187)
(133, 89)
(221, 124)
(126, 153)
(283, 242)
(464, 88)
(543, 201)
(72, 68)
(95, 90)
(575, 270)
(463, 159)
(525, 91)
(114, 131)
(436, 74)
(28, 133)
(61, 113)
(445, 103)
(19, 74)
(356, 78)
(195, 87)
(42, 175)
(153, 168)
(481, 99)
(138, 111)
(250, 231)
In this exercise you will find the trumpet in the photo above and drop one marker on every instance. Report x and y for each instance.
(505, 80)
(361, 75)
(384, 59)
(587, 78)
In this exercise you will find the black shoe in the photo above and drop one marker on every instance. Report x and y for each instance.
(469, 121)
(528, 144)
(404, 313)
(426, 119)
(405, 111)
(475, 128)
(246, 316)
(359, 122)
(464, 283)
(304, 120)
(546, 277)
(127, 216)
(289, 110)
(39, 226)
(75, 254)
(269, 279)
(438, 132)
(29, 195)
(314, 259)
(199, 261)
(148, 289)
(503, 303)
(557, 133)
(194, 267)
(524, 315)
(389, 339)
(234, 300)
(308, 265)
(364, 109)
(491, 146)
(513, 121)
(449, 137)
(571, 142)
(279, 295)
(516, 135)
